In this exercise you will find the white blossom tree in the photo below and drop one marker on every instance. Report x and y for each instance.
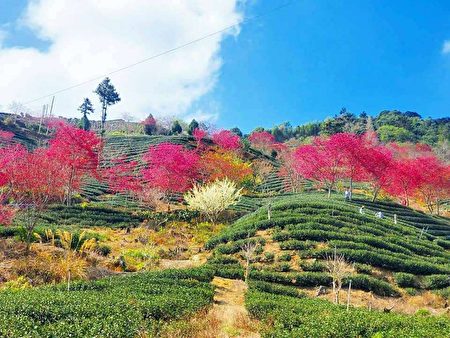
(213, 198)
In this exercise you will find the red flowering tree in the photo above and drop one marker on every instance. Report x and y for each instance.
(199, 135)
(77, 152)
(404, 179)
(321, 161)
(170, 168)
(434, 182)
(227, 140)
(262, 140)
(351, 151)
(123, 176)
(149, 125)
(292, 178)
(9, 157)
(377, 161)
(35, 181)
(5, 137)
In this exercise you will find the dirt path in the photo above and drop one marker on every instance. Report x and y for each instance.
(230, 311)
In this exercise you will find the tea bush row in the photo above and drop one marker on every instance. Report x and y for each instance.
(122, 306)
(305, 318)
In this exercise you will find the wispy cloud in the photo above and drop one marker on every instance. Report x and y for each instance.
(90, 37)
(446, 47)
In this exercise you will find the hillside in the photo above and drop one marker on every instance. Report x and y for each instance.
(305, 229)
(218, 235)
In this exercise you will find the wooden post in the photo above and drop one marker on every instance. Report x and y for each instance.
(395, 218)
(68, 280)
(348, 294)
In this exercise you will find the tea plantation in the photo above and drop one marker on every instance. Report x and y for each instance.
(290, 316)
(305, 229)
(124, 306)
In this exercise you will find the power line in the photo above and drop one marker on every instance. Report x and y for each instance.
(242, 22)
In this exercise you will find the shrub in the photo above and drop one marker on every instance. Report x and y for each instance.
(286, 257)
(104, 249)
(436, 281)
(269, 257)
(282, 267)
(367, 283)
(276, 289)
(223, 260)
(315, 266)
(405, 280)
(363, 268)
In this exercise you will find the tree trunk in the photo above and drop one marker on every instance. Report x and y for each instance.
(351, 189)
(247, 268)
(329, 192)
(103, 119)
(375, 193)
(69, 188)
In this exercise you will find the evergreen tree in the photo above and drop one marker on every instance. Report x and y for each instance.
(176, 127)
(192, 126)
(86, 108)
(236, 131)
(108, 96)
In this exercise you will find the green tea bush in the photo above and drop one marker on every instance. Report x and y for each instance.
(282, 267)
(315, 266)
(113, 307)
(363, 268)
(276, 289)
(436, 281)
(285, 257)
(269, 257)
(405, 280)
(306, 318)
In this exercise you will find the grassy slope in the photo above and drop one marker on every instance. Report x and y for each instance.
(306, 227)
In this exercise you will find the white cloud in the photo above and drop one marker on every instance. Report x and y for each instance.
(446, 47)
(92, 37)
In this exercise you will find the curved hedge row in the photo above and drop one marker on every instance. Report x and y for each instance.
(312, 279)
(305, 318)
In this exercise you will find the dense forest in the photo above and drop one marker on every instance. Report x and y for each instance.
(390, 125)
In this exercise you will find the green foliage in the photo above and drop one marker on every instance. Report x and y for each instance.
(313, 226)
(276, 289)
(176, 127)
(282, 267)
(114, 307)
(90, 216)
(103, 249)
(315, 266)
(269, 257)
(305, 318)
(363, 268)
(405, 280)
(436, 281)
(192, 126)
(388, 133)
(285, 257)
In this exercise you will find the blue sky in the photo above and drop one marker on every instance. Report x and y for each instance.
(304, 62)
(307, 61)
